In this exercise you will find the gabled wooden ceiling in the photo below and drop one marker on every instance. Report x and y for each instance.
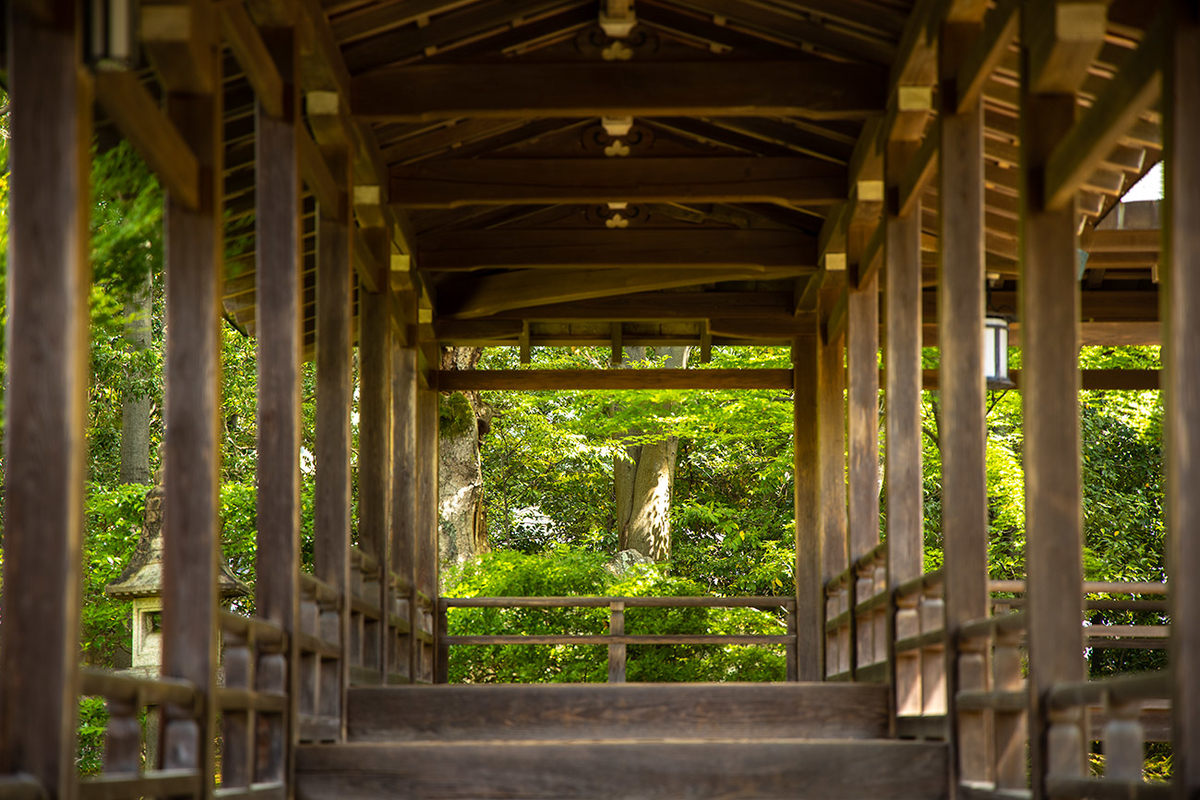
(556, 180)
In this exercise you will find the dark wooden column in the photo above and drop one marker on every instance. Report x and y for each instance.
(960, 337)
(831, 400)
(1181, 339)
(279, 293)
(193, 243)
(902, 362)
(374, 448)
(48, 278)
(862, 361)
(807, 470)
(1050, 313)
(426, 533)
(332, 503)
(404, 469)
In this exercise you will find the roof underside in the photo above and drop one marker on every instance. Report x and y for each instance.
(532, 211)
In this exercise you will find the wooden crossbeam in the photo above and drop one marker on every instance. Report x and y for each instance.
(493, 249)
(761, 306)
(531, 380)
(490, 294)
(811, 89)
(140, 120)
(252, 54)
(460, 182)
(999, 30)
(1098, 131)
(178, 37)
(1063, 38)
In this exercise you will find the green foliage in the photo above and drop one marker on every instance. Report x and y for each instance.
(568, 570)
(455, 415)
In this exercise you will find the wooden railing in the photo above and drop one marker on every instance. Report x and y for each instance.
(616, 638)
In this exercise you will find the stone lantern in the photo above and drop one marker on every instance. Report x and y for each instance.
(142, 584)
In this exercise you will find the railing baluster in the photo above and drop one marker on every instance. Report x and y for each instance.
(616, 652)
(1124, 740)
(122, 738)
(1009, 727)
(237, 753)
(933, 665)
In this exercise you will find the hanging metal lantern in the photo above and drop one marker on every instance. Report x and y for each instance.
(112, 27)
(995, 353)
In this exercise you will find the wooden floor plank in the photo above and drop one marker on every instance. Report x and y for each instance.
(600, 711)
(728, 769)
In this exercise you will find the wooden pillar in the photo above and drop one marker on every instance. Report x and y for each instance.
(960, 337)
(1181, 340)
(332, 503)
(404, 473)
(194, 243)
(374, 449)
(905, 483)
(862, 361)
(48, 278)
(279, 300)
(1050, 313)
(831, 401)
(807, 471)
(427, 514)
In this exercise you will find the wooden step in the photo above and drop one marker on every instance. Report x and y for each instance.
(618, 711)
(763, 769)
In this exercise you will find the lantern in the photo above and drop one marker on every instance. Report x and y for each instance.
(995, 353)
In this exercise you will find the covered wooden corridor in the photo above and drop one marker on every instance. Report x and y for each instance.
(855, 179)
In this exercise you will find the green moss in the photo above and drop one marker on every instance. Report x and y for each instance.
(455, 415)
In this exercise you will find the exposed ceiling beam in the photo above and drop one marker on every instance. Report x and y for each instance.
(678, 248)
(813, 89)
(449, 183)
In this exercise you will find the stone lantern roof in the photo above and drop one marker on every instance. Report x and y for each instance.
(143, 577)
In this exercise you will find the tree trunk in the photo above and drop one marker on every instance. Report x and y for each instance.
(135, 407)
(643, 481)
(462, 533)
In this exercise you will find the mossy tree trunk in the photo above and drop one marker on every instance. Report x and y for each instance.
(135, 406)
(464, 420)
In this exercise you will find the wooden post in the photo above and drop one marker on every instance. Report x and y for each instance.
(807, 469)
(831, 454)
(191, 525)
(616, 652)
(279, 298)
(903, 452)
(404, 475)
(443, 648)
(960, 336)
(1181, 359)
(427, 512)
(862, 359)
(1050, 313)
(374, 453)
(332, 503)
(46, 396)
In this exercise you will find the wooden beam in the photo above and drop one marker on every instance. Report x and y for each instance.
(749, 306)
(1095, 380)
(1050, 313)
(1181, 355)
(252, 54)
(807, 469)
(453, 183)
(962, 425)
(374, 452)
(488, 295)
(46, 397)
(193, 252)
(279, 308)
(810, 89)
(403, 523)
(556, 249)
(331, 505)
(537, 380)
(999, 30)
(1062, 38)
(426, 578)
(1083, 149)
(179, 37)
(318, 177)
(831, 398)
(862, 360)
(140, 120)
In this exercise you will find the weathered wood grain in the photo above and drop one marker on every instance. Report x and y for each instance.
(603, 711)
(45, 398)
(451, 183)
(1181, 335)
(375, 448)
(757, 768)
(580, 379)
(807, 470)
(814, 89)
(862, 360)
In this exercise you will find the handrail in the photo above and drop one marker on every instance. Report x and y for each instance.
(1119, 689)
(138, 691)
(604, 602)
(261, 631)
(1089, 587)
(919, 584)
(988, 626)
(319, 590)
(21, 787)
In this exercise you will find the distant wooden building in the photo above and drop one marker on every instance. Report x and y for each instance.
(839, 177)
